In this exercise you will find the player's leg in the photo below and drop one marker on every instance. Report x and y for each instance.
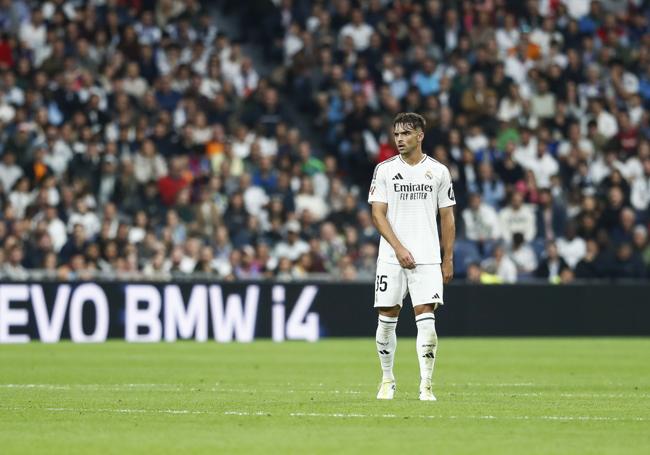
(426, 346)
(425, 287)
(386, 340)
(389, 293)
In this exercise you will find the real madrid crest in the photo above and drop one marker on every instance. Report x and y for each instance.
(429, 175)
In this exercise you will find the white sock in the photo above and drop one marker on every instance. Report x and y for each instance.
(386, 344)
(427, 344)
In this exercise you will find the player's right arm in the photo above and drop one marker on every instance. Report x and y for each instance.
(404, 256)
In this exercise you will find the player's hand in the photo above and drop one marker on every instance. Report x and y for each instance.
(447, 270)
(405, 258)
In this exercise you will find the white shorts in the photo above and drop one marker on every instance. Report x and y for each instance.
(392, 282)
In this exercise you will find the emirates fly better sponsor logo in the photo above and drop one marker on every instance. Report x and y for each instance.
(412, 191)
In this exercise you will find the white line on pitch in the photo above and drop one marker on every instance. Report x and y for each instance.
(164, 388)
(184, 388)
(130, 386)
(334, 415)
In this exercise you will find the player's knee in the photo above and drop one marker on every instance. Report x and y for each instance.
(424, 308)
(391, 312)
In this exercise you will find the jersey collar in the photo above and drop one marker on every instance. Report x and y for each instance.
(413, 165)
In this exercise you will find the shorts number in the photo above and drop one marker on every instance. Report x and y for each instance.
(381, 283)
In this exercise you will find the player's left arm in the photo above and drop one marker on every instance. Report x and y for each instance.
(448, 231)
(446, 202)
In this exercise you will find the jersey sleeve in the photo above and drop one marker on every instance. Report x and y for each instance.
(378, 188)
(446, 197)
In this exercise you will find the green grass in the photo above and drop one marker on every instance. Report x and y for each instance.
(495, 396)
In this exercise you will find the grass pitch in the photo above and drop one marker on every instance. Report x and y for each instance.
(495, 396)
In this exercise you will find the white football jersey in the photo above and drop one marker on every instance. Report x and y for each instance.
(413, 194)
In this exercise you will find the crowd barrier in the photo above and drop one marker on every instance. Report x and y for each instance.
(225, 312)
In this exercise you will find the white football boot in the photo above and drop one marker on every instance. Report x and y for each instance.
(386, 389)
(425, 391)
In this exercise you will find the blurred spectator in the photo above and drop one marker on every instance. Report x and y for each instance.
(306, 199)
(481, 222)
(474, 273)
(571, 247)
(640, 192)
(293, 246)
(591, 265)
(501, 265)
(523, 255)
(517, 217)
(642, 245)
(10, 172)
(550, 217)
(552, 264)
(491, 189)
(625, 263)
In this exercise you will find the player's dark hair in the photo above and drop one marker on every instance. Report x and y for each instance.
(411, 119)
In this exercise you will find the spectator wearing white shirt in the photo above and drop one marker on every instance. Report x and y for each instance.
(7, 111)
(33, 33)
(507, 37)
(148, 33)
(307, 200)
(358, 30)
(542, 36)
(292, 42)
(527, 148)
(523, 255)
(607, 124)
(148, 164)
(603, 166)
(88, 219)
(242, 141)
(255, 198)
(231, 62)
(571, 247)
(577, 8)
(56, 228)
(481, 222)
(10, 172)
(211, 82)
(510, 106)
(246, 80)
(517, 217)
(293, 247)
(517, 66)
(640, 191)
(21, 197)
(134, 84)
(575, 141)
(544, 166)
(542, 103)
(59, 152)
(476, 140)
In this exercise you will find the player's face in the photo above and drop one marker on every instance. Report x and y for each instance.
(407, 139)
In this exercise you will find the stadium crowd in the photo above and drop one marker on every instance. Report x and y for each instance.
(138, 140)
(539, 109)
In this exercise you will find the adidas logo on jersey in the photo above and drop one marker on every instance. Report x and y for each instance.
(398, 176)
(436, 296)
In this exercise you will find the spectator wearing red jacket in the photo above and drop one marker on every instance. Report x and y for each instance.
(170, 185)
